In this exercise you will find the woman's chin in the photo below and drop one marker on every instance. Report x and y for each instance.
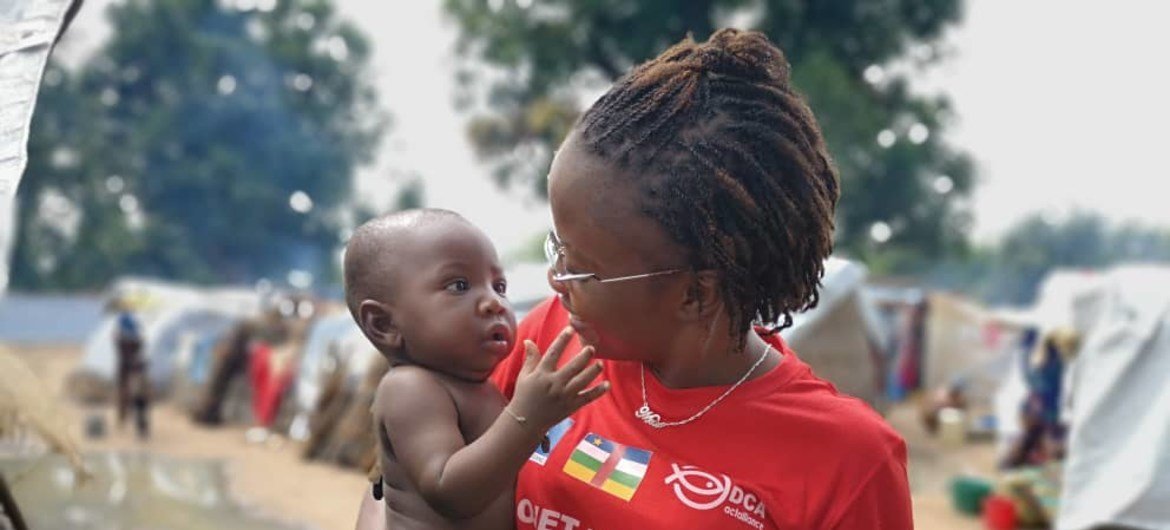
(606, 347)
(585, 333)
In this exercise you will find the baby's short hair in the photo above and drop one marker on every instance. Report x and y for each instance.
(373, 239)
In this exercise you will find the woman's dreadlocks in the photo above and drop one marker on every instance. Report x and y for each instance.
(730, 161)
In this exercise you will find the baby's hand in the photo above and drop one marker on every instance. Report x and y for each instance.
(545, 395)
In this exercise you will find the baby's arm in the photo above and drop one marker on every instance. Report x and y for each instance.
(460, 480)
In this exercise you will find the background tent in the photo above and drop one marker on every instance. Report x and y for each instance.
(956, 339)
(169, 315)
(974, 349)
(325, 333)
(194, 362)
(253, 368)
(331, 340)
(1118, 467)
(841, 337)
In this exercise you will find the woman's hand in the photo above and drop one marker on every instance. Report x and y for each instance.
(545, 395)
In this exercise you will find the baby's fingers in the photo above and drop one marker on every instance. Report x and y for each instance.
(582, 379)
(531, 357)
(576, 364)
(553, 355)
(587, 396)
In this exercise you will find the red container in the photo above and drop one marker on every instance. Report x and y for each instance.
(999, 513)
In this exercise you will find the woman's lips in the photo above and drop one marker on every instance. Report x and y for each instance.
(585, 332)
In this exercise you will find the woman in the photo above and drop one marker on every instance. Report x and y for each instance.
(694, 199)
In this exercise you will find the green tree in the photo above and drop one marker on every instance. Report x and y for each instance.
(206, 141)
(843, 54)
(1035, 246)
(1012, 270)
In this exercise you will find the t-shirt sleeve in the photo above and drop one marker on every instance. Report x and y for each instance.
(531, 328)
(882, 502)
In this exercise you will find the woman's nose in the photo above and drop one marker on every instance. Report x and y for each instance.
(559, 287)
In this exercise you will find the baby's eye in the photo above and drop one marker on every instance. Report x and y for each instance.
(501, 287)
(458, 286)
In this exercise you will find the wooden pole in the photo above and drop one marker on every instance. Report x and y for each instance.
(10, 509)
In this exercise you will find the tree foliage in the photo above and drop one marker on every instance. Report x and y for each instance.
(850, 58)
(1012, 271)
(205, 141)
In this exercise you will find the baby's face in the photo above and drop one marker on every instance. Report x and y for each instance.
(450, 303)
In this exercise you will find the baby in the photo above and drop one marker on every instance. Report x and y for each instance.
(427, 290)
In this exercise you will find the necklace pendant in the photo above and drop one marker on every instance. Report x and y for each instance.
(649, 417)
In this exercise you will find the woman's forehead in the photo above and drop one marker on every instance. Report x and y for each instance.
(581, 182)
(598, 220)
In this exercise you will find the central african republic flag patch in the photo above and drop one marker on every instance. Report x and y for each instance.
(607, 465)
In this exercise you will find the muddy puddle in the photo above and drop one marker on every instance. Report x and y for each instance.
(130, 491)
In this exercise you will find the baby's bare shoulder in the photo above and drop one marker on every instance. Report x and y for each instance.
(407, 388)
(408, 377)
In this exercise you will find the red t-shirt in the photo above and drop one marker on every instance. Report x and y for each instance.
(783, 451)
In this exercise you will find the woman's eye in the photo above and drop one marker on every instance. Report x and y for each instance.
(501, 288)
(458, 286)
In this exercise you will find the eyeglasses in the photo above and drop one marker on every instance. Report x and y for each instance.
(554, 251)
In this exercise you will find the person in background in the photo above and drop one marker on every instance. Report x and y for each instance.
(133, 385)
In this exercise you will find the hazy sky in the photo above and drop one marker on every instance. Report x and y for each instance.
(1061, 103)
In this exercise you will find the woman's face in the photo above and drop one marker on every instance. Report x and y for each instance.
(596, 219)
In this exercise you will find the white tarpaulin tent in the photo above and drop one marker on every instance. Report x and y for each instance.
(323, 336)
(27, 32)
(837, 338)
(166, 312)
(954, 344)
(1118, 467)
(334, 342)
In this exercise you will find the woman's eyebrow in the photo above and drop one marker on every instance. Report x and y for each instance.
(582, 261)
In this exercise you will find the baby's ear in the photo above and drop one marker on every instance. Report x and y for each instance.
(377, 321)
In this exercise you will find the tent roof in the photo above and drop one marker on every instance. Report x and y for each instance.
(843, 279)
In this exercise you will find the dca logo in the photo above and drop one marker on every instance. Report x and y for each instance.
(701, 490)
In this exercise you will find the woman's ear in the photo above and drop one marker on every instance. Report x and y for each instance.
(377, 322)
(702, 298)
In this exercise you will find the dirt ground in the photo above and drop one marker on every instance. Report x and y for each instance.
(273, 480)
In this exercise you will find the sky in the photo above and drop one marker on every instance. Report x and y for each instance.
(1060, 103)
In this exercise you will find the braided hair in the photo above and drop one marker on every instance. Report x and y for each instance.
(729, 160)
